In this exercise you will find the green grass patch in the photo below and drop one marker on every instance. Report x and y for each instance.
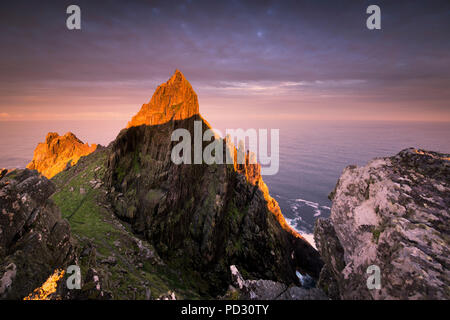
(376, 235)
(92, 223)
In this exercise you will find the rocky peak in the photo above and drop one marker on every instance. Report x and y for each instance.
(210, 215)
(53, 155)
(51, 136)
(173, 100)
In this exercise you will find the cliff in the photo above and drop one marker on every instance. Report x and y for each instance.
(201, 218)
(34, 239)
(58, 152)
(392, 213)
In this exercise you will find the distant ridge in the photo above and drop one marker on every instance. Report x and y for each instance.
(53, 155)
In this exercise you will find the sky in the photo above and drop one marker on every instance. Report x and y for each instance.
(245, 59)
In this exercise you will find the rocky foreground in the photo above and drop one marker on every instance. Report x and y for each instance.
(392, 213)
(34, 239)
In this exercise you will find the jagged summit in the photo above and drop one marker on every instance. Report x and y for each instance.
(173, 100)
(53, 155)
(68, 135)
(205, 216)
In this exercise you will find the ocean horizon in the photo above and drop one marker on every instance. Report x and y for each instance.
(312, 154)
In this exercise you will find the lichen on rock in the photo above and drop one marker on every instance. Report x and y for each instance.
(392, 213)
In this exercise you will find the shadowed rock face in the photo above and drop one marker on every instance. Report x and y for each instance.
(34, 240)
(173, 100)
(392, 213)
(202, 218)
(58, 152)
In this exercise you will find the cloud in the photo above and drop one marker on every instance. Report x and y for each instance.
(55, 116)
(279, 87)
(276, 48)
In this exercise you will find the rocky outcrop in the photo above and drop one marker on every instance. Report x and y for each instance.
(201, 218)
(34, 240)
(268, 290)
(173, 100)
(57, 153)
(392, 213)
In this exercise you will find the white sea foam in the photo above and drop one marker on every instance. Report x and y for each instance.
(318, 209)
(298, 223)
(295, 224)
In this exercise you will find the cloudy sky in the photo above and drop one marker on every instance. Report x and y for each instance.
(247, 59)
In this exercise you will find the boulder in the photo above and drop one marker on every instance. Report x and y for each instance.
(391, 214)
(34, 239)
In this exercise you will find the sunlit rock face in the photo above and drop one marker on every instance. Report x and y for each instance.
(34, 239)
(392, 213)
(198, 216)
(58, 152)
(173, 100)
(48, 288)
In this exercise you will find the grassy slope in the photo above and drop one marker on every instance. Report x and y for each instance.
(94, 225)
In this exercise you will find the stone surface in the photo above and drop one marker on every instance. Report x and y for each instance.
(58, 153)
(34, 240)
(6, 281)
(392, 213)
(170, 295)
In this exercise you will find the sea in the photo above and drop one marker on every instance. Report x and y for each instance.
(312, 154)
